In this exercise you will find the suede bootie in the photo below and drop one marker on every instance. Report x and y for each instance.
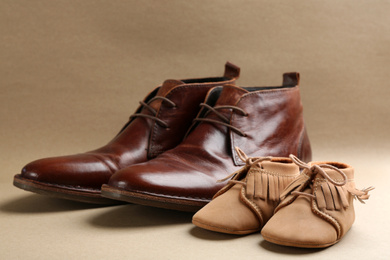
(248, 201)
(316, 209)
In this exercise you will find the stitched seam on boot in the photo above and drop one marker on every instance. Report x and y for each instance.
(300, 144)
(100, 158)
(276, 174)
(270, 91)
(324, 215)
(70, 187)
(267, 92)
(168, 195)
(256, 209)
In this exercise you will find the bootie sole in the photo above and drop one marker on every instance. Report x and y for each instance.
(222, 229)
(297, 244)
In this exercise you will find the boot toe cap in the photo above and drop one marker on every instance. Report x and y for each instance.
(81, 170)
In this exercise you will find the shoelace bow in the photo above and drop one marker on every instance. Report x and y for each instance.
(153, 111)
(226, 121)
(249, 161)
(319, 168)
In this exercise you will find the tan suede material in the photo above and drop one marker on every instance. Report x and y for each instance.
(244, 207)
(314, 212)
(237, 175)
(296, 225)
(264, 184)
(282, 166)
(344, 216)
(262, 208)
(227, 214)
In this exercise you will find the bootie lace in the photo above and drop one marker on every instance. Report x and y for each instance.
(327, 196)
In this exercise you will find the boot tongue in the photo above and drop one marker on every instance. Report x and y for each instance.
(167, 86)
(230, 95)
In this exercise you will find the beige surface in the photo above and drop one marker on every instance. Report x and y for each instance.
(73, 71)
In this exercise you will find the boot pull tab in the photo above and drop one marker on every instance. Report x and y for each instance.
(291, 79)
(231, 71)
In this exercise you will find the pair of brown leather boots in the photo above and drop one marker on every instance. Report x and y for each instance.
(178, 143)
(312, 208)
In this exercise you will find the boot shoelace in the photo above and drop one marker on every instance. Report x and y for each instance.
(226, 121)
(153, 111)
(319, 168)
(249, 161)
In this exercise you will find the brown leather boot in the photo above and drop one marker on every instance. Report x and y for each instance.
(262, 121)
(159, 124)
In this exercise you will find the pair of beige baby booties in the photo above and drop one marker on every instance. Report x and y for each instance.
(313, 208)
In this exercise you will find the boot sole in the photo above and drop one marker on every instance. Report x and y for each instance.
(86, 196)
(153, 200)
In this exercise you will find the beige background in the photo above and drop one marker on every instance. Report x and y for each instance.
(73, 71)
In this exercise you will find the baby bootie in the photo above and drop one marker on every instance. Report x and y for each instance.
(248, 201)
(316, 210)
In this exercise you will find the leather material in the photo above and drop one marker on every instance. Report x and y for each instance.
(188, 173)
(244, 207)
(141, 139)
(319, 219)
